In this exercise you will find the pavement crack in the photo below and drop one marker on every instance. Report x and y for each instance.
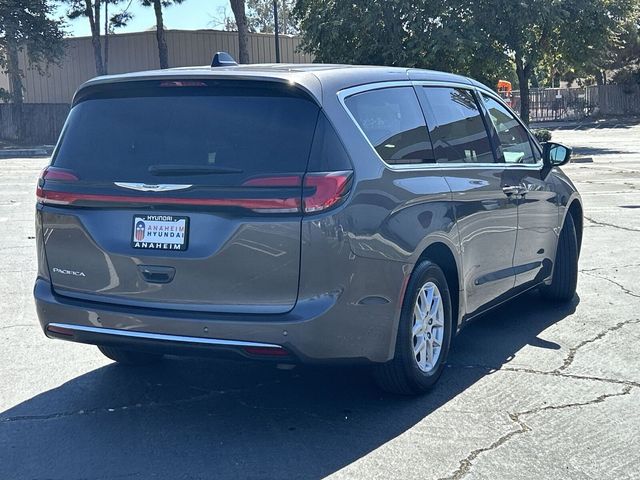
(591, 273)
(574, 350)
(552, 373)
(466, 463)
(597, 269)
(17, 325)
(206, 394)
(612, 225)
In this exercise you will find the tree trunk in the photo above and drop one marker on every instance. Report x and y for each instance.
(163, 53)
(15, 87)
(95, 36)
(523, 72)
(106, 37)
(15, 75)
(240, 15)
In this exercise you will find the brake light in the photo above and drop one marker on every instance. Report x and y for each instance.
(282, 181)
(54, 173)
(265, 205)
(330, 189)
(182, 83)
(321, 191)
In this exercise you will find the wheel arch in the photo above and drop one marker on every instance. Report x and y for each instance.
(574, 209)
(443, 255)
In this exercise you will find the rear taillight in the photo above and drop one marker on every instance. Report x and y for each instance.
(53, 173)
(320, 191)
(329, 189)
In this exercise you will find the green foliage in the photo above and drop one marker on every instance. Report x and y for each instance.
(433, 34)
(260, 16)
(543, 135)
(28, 25)
(485, 39)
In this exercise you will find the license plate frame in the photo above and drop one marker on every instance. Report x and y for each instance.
(157, 233)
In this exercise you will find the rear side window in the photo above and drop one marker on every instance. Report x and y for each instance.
(392, 120)
(459, 135)
(327, 153)
(218, 135)
(514, 139)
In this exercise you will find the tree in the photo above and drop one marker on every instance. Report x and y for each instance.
(480, 38)
(239, 12)
(436, 34)
(163, 51)
(527, 31)
(91, 9)
(27, 25)
(259, 15)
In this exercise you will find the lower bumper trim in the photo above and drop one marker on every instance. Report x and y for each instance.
(68, 329)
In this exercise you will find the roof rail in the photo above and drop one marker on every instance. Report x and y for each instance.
(223, 59)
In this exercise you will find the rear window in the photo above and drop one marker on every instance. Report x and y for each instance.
(224, 134)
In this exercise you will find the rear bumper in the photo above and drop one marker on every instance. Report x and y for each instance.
(325, 329)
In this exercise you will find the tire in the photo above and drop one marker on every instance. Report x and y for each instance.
(403, 375)
(129, 357)
(565, 269)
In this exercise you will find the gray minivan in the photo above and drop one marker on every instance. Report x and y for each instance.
(299, 213)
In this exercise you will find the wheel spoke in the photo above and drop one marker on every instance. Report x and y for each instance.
(417, 327)
(430, 352)
(434, 310)
(420, 346)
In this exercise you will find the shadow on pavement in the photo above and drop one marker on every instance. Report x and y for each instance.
(200, 419)
(594, 151)
(608, 122)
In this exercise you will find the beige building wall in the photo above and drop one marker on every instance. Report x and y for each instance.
(129, 52)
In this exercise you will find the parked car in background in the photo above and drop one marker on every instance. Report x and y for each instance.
(299, 213)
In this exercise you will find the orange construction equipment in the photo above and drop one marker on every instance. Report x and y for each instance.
(504, 89)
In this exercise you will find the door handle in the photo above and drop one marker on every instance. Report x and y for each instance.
(514, 190)
(511, 190)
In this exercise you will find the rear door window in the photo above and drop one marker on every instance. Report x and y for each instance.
(392, 121)
(459, 134)
(206, 135)
(514, 139)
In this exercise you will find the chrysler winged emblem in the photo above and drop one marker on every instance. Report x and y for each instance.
(144, 187)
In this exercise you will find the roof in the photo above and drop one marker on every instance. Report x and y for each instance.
(314, 78)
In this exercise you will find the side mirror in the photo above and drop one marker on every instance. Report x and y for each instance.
(555, 155)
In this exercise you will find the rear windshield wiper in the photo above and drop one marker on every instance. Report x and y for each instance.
(161, 170)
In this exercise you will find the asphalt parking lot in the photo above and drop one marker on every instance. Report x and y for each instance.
(531, 390)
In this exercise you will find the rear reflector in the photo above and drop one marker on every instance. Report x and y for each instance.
(60, 330)
(266, 351)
